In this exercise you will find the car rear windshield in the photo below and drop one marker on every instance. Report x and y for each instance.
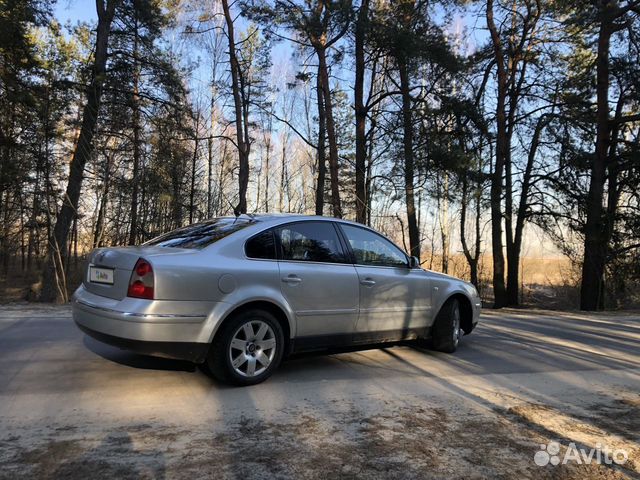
(202, 234)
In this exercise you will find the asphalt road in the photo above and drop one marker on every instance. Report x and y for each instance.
(70, 406)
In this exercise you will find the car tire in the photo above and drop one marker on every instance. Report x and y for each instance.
(231, 362)
(446, 328)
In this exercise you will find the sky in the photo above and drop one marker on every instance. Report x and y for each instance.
(75, 11)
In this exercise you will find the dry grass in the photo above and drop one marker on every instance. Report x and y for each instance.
(546, 282)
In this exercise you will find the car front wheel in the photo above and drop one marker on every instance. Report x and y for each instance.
(446, 328)
(248, 349)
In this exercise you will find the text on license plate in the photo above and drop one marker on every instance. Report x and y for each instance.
(101, 275)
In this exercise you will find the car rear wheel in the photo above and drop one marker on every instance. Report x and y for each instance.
(248, 349)
(446, 328)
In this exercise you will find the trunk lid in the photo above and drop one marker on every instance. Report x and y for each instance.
(121, 261)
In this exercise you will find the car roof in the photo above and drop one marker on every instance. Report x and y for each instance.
(280, 218)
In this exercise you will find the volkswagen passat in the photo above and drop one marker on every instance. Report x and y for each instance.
(242, 293)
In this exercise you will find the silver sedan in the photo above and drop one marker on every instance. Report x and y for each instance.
(239, 294)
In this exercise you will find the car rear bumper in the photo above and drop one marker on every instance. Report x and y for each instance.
(148, 330)
(191, 351)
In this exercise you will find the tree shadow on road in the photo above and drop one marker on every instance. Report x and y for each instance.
(115, 457)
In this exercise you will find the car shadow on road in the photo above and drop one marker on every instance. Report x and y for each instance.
(134, 360)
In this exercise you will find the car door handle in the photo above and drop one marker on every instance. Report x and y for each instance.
(293, 279)
(368, 282)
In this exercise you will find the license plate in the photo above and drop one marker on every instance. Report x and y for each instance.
(101, 275)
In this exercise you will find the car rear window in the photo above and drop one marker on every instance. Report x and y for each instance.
(202, 234)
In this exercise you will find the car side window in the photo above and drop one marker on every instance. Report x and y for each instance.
(311, 242)
(370, 248)
(261, 246)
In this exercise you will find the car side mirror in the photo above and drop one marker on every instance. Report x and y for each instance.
(414, 262)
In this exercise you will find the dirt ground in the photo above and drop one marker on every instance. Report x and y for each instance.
(73, 408)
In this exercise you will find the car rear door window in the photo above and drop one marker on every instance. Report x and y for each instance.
(369, 248)
(261, 246)
(311, 242)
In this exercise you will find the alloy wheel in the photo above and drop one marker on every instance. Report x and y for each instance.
(456, 324)
(252, 348)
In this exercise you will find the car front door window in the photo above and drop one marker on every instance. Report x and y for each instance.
(372, 249)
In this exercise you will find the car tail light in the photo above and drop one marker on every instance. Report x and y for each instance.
(141, 283)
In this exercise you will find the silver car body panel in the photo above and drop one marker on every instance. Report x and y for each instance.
(323, 296)
(393, 298)
(195, 290)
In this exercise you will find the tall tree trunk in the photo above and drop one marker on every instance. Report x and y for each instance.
(258, 181)
(144, 232)
(209, 176)
(5, 233)
(135, 104)
(409, 169)
(35, 205)
(102, 209)
(465, 205)
(5, 187)
(334, 162)
(52, 286)
(368, 187)
(75, 243)
(322, 163)
(221, 177)
(360, 113)
(370, 161)
(444, 224)
(176, 189)
(472, 259)
(499, 290)
(284, 182)
(212, 120)
(514, 248)
(266, 169)
(613, 198)
(595, 244)
(241, 134)
(22, 231)
(192, 190)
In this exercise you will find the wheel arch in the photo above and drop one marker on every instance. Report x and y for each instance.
(276, 310)
(466, 310)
